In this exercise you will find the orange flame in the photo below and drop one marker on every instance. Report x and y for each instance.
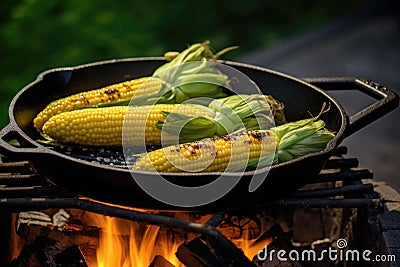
(130, 244)
(249, 249)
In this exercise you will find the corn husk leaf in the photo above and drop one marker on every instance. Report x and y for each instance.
(283, 129)
(298, 134)
(231, 114)
(194, 52)
(193, 130)
(299, 139)
(184, 81)
(312, 143)
(302, 141)
(241, 106)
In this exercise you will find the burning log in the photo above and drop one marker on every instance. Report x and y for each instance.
(275, 239)
(33, 254)
(31, 223)
(241, 227)
(71, 257)
(44, 252)
(160, 261)
(59, 233)
(275, 232)
(212, 249)
(197, 253)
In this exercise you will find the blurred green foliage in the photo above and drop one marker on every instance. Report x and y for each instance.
(39, 35)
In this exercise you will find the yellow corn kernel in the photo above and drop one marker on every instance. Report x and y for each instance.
(123, 91)
(104, 126)
(219, 154)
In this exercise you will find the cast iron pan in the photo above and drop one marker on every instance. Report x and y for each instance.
(116, 185)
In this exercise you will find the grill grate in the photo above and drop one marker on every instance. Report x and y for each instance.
(21, 189)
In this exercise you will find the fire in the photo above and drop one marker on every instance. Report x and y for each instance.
(131, 244)
(250, 250)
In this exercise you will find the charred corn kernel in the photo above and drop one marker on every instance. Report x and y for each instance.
(104, 126)
(123, 91)
(219, 154)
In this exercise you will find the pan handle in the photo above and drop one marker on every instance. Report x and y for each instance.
(9, 133)
(386, 100)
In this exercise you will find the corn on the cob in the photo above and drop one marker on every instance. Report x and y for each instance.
(153, 88)
(219, 154)
(113, 93)
(103, 126)
(280, 144)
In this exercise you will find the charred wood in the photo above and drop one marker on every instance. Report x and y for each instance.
(160, 261)
(70, 257)
(197, 253)
(62, 233)
(45, 252)
(35, 254)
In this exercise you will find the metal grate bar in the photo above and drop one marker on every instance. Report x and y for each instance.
(326, 203)
(345, 175)
(21, 167)
(341, 163)
(18, 180)
(31, 191)
(21, 180)
(336, 191)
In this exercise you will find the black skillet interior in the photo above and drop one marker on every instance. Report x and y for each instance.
(300, 99)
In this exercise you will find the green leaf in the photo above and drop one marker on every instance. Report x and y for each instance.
(283, 129)
(262, 162)
(189, 128)
(283, 156)
(298, 134)
(308, 139)
(184, 81)
(313, 143)
(230, 114)
(298, 142)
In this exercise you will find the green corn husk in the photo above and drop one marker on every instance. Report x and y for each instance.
(178, 71)
(311, 144)
(308, 139)
(297, 139)
(185, 81)
(231, 114)
(293, 136)
(194, 52)
(283, 129)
